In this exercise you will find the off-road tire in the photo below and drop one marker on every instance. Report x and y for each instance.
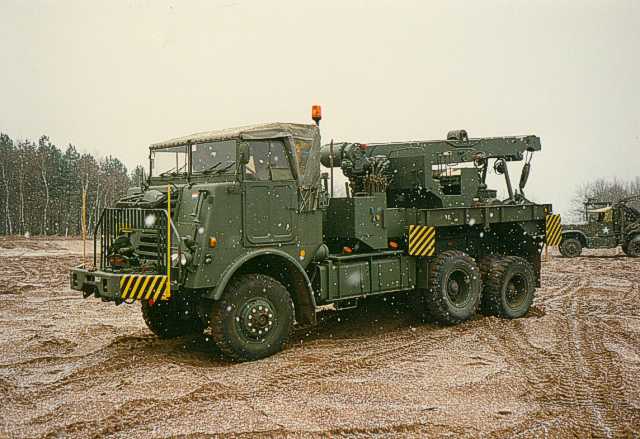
(497, 296)
(439, 302)
(485, 263)
(570, 247)
(632, 247)
(230, 318)
(171, 318)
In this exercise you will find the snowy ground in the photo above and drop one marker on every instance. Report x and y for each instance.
(81, 368)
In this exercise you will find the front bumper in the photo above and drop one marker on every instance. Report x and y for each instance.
(100, 284)
(119, 287)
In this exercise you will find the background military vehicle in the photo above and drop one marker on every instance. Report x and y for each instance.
(606, 225)
(237, 230)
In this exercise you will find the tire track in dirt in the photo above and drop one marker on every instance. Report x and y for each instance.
(579, 375)
(393, 430)
(35, 274)
(588, 391)
(359, 359)
(135, 412)
(130, 353)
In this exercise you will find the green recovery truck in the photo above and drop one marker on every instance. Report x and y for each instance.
(238, 231)
(606, 225)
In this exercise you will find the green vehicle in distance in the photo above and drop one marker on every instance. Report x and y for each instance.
(238, 231)
(606, 225)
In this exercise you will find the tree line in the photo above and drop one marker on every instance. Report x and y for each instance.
(606, 190)
(42, 186)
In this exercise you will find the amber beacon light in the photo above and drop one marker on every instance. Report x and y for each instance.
(316, 113)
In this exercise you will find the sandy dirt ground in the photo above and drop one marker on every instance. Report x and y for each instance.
(71, 367)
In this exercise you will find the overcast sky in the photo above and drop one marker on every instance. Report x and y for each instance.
(113, 76)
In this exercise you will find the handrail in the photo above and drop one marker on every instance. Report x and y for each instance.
(172, 231)
(95, 239)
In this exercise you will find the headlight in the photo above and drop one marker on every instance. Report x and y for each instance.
(184, 258)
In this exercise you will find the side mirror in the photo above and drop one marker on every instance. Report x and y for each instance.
(243, 153)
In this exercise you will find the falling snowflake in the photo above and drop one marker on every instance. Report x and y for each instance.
(150, 220)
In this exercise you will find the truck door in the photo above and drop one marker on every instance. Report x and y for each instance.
(604, 231)
(270, 194)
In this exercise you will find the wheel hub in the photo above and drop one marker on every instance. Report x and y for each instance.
(458, 288)
(256, 318)
(572, 248)
(516, 291)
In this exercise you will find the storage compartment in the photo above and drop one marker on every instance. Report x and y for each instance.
(359, 218)
(343, 277)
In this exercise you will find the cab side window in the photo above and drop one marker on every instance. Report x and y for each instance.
(268, 161)
(279, 162)
(258, 168)
(303, 149)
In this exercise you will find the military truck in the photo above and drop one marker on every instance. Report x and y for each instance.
(238, 231)
(607, 225)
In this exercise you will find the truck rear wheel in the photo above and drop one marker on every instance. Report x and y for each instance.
(253, 319)
(570, 247)
(632, 248)
(485, 263)
(454, 289)
(509, 288)
(173, 318)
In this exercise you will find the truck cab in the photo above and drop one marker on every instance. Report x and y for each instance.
(238, 192)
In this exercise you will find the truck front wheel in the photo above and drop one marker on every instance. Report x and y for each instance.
(174, 317)
(570, 247)
(454, 289)
(509, 288)
(253, 319)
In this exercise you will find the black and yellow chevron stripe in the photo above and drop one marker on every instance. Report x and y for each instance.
(144, 287)
(554, 230)
(422, 240)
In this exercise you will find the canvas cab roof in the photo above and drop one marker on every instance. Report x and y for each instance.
(260, 131)
(303, 141)
(601, 210)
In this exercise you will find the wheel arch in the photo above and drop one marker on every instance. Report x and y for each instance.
(577, 234)
(282, 267)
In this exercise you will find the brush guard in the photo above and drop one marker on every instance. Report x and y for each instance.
(150, 232)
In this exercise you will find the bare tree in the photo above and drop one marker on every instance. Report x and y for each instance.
(6, 147)
(41, 187)
(604, 190)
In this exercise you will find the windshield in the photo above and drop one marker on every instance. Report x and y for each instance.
(214, 156)
(169, 161)
(211, 157)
